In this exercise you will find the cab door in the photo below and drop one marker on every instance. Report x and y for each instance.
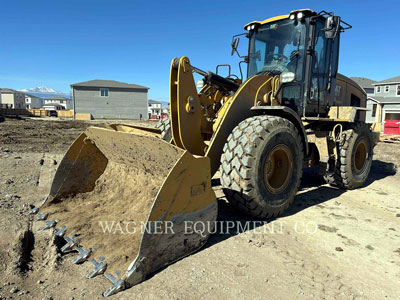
(324, 64)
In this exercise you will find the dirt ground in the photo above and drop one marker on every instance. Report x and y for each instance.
(330, 244)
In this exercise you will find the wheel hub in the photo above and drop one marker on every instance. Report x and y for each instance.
(278, 169)
(360, 156)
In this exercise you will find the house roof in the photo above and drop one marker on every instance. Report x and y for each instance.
(108, 84)
(57, 98)
(385, 100)
(9, 91)
(389, 80)
(153, 102)
(365, 83)
(32, 96)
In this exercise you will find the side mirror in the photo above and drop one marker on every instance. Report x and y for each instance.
(235, 44)
(332, 26)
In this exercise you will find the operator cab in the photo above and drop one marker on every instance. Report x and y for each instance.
(303, 48)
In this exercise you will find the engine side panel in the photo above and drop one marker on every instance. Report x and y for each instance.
(349, 93)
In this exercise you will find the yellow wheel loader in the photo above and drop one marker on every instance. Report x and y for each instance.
(293, 111)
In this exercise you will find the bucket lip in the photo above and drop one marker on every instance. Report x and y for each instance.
(143, 128)
(150, 136)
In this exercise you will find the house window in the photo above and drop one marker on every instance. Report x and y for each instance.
(387, 88)
(373, 110)
(378, 89)
(398, 90)
(104, 92)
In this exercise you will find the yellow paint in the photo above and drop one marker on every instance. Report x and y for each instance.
(187, 189)
(79, 169)
(282, 17)
(274, 19)
(173, 91)
(221, 112)
(262, 90)
(186, 110)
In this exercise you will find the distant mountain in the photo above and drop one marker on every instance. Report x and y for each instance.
(45, 92)
(41, 89)
(49, 95)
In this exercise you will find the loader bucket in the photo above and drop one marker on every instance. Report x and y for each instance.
(129, 199)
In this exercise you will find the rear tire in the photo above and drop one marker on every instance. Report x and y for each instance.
(355, 158)
(165, 127)
(261, 165)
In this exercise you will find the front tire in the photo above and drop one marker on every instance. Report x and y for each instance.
(261, 165)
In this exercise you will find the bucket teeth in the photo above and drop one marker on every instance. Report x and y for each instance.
(118, 284)
(71, 242)
(99, 267)
(41, 217)
(83, 255)
(49, 224)
(61, 231)
(33, 211)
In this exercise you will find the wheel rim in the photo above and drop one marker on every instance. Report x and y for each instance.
(360, 156)
(278, 169)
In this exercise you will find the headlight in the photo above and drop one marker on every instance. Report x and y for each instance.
(300, 15)
(292, 17)
(248, 28)
(286, 77)
(253, 26)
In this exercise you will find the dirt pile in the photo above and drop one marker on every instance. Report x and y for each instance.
(110, 218)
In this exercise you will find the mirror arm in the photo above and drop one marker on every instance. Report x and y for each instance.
(233, 40)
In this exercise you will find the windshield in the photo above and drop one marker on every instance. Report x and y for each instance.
(278, 47)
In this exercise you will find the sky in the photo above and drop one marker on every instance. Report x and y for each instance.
(57, 43)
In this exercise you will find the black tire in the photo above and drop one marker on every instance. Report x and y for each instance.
(351, 170)
(165, 127)
(245, 160)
